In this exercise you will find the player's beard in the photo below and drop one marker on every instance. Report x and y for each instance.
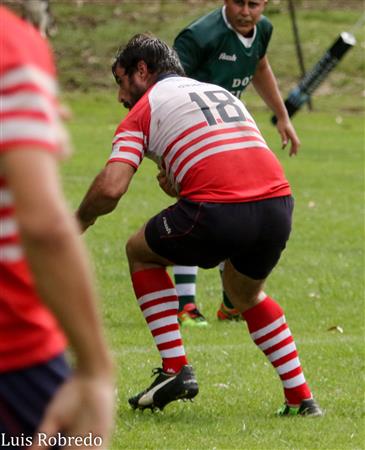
(135, 93)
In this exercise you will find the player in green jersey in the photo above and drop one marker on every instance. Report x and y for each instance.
(228, 47)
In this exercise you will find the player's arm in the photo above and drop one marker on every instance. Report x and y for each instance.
(189, 52)
(63, 278)
(105, 192)
(266, 85)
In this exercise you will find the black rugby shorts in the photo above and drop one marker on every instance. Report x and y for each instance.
(25, 394)
(251, 235)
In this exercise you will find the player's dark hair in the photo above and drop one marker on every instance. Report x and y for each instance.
(158, 56)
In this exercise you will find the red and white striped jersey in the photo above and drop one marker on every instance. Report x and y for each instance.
(204, 138)
(29, 118)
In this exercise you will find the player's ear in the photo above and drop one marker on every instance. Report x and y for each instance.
(142, 69)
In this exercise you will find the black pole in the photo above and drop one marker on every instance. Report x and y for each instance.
(298, 46)
(309, 83)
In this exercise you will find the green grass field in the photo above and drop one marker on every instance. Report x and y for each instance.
(319, 282)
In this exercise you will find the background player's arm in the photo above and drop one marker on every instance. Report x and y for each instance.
(63, 279)
(266, 85)
(105, 192)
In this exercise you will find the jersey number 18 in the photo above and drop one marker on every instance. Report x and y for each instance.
(222, 105)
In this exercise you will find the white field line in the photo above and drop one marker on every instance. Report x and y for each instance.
(328, 341)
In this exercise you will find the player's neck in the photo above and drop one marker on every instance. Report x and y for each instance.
(249, 34)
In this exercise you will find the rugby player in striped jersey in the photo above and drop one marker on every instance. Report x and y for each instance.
(233, 204)
(46, 291)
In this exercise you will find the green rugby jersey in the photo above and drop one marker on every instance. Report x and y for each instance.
(210, 50)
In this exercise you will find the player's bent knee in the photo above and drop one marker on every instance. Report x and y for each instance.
(137, 251)
(130, 249)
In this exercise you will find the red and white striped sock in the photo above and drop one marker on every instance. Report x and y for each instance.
(158, 301)
(269, 330)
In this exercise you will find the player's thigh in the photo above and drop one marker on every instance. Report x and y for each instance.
(181, 234)
(274, 218)
(140, 255)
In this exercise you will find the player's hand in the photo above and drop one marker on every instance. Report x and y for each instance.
(165, 184)
(287, 133)
(84, 404)
(82, 225)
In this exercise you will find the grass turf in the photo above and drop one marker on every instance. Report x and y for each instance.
(319, 283)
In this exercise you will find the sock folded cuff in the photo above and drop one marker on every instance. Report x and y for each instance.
(185, 270)
(151, 280)
(262, 314)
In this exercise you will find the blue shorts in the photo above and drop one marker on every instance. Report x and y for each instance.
(251, 235)
(25, 393)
